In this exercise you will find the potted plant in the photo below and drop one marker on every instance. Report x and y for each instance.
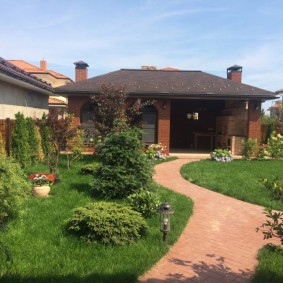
(41, 183)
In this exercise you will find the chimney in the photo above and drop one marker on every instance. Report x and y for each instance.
(81, 71)
(234, 73)
(43, 65)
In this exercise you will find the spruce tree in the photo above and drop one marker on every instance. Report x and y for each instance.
(20, 146)
(32, 140)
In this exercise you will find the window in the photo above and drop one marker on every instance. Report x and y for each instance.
(149, 125)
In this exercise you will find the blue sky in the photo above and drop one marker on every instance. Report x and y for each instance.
(206, 35)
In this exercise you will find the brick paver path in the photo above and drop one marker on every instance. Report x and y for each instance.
(219, 243)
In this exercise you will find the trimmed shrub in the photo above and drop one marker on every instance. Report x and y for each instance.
(125, 168)
(32, 140)
(14, 187)
(20, 145)
(145, 202)
(89, 169)
(107, 223)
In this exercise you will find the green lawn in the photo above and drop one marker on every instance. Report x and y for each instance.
(43, 252)
(238, 179)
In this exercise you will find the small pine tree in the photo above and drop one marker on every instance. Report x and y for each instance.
(124, 168)
(45, 135)
(32, 140)
(20, 145)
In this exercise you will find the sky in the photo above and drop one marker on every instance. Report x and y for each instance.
(206, 35)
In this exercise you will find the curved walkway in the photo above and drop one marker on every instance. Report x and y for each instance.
(219, 244)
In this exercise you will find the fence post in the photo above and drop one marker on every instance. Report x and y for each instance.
(8, 136)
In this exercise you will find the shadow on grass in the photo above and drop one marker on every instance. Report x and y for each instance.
(122, 277)
(216, 272)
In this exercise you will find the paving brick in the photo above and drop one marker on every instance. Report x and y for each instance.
(218, 245)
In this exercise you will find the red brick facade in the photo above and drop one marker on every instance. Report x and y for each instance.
(254, 122)
(234, 117)
(163, 136)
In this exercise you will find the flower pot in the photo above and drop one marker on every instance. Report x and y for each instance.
(41, 191)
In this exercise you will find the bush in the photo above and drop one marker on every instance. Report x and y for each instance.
(273, 227)
(108, 223)
(221, 155)
(250, 146)
(275, 146)
(20, 145)
(89, 169)
(32, 141)
(145, 202)
(125, 168)
(275, 186)
(14, 187)
(156, 151)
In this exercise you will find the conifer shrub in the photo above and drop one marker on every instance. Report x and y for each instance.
(32, 140)
(20, 144)
(124, 167)
(107, 223)
(14, 187)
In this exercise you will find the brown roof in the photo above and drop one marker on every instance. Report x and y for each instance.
(161, 83)
(12, 71)
(36, 70)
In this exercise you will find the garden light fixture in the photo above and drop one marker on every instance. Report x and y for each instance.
(165, 212)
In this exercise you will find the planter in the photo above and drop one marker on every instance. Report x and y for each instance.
(41, 191)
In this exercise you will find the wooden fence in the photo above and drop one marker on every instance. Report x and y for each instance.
(6, 127)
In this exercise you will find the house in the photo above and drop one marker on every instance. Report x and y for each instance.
(193, 110)
(21, 92)
(275, 109)
(57, 104)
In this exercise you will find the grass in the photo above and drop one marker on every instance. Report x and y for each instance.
(238, 179)
(43, 251)
(270, 267)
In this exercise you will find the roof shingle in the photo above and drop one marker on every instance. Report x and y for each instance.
(171, 83)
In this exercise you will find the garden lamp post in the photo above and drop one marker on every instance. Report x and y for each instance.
(165, 212)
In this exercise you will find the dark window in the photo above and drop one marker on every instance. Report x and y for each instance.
(149, 125)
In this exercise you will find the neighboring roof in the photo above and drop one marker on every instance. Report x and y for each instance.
(36, 70)
(55, 101)
(163, 83)
(279, 91)
(278, 104)
(12, 71)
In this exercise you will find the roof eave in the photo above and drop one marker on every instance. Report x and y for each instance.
(24, 84)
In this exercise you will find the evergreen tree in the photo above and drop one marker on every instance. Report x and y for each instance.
(20, 145)
(32, 140)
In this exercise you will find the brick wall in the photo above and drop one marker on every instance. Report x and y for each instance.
(75, 103)
(254, 120)
(164, 108)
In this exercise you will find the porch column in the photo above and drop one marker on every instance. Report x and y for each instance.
(254, 120)
(164, 108)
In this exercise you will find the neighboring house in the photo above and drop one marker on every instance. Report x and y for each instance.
(275, 109)
(21, 92)
(193, 110)
(51, 77)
